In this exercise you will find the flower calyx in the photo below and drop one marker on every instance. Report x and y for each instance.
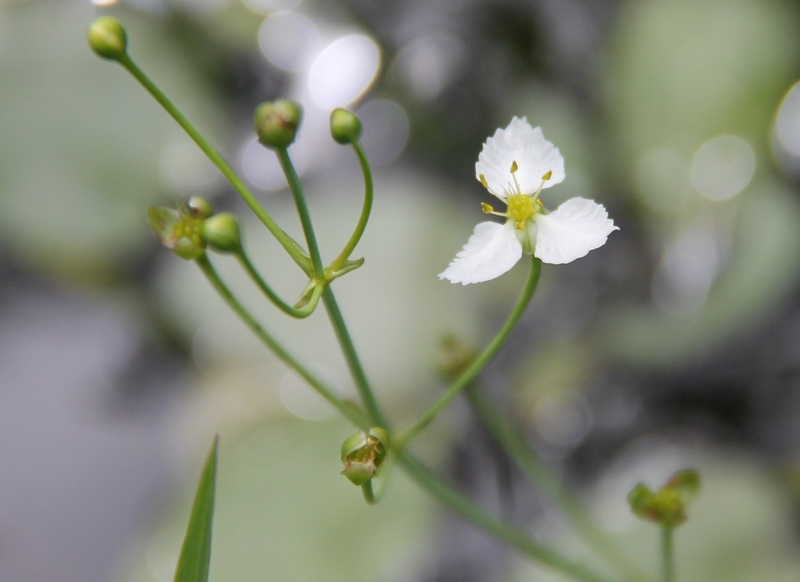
(668, 505)
(363, 454)
(181, 230)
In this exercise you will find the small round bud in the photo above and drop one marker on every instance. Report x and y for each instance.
(276, 123)
(221, 233)
(346, 128)
(199, 207)
(363, 454)
(107, 38)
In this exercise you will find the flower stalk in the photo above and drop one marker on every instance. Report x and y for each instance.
(479, 363)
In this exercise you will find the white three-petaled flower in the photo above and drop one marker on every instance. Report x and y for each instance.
(515, 165)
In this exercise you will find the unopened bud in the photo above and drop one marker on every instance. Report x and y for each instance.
(346, 128)
(363, 454)
(221, 233)
(276, 123)
(107, 38)
(199, 207)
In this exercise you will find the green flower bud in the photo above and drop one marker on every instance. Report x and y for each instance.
(363, 454)
(221, 233)
(199, 207)
(276, 123)
(178, 230)
(346, 128)
(668, 505)
(107, 38)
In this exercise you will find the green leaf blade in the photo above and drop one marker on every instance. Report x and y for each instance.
(195, 558)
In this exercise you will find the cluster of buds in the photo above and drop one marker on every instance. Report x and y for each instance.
(667, 506)
(363, 454)
(191, 228)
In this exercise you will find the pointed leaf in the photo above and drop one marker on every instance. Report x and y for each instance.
(195, 557)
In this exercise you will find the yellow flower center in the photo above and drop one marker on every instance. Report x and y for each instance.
(520, 208)
(190, 228)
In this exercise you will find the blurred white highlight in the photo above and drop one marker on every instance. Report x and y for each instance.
(723, 167)
(343, 71)
(787, 122)
(289, 40)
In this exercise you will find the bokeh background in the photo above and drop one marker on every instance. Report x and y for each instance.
(675, 345)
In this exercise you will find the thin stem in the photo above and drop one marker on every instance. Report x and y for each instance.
(302, 209)
(497, 527)
(365, 211)
(667, 554)
(469, 374)
(369, 495)
(331, 306)
(514, 443)
(301, 313)
(353, 361)
(348, 409)
(284, 239)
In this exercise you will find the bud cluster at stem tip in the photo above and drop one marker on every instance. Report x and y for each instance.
(276, 123)
(107, 37)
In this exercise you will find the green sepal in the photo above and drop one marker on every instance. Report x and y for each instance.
(195, 557)
(331, 274)
(668, 505)
(363, 454)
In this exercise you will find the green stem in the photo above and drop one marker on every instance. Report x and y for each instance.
(369, 495)
(514, 443)
(348, 409)
(365, 211)
(469, 374)
(497, 527)
(302, 209)
(667, 554)
(425, 479)
(301, 313)
(332, 307)
(353, 361)
(284, 239)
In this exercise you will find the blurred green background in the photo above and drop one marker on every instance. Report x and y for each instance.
(675, 345)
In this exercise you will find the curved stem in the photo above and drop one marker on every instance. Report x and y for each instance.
(497, 527)
(369, 495)
(463, 380)
(365, 211)
(301, 313)
(518, 449)
(291, 247)
(348, 409)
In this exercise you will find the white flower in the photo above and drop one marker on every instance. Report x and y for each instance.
(515, 165)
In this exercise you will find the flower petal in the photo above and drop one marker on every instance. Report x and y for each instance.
(575, 228)
(491, 251)
(521, 143)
